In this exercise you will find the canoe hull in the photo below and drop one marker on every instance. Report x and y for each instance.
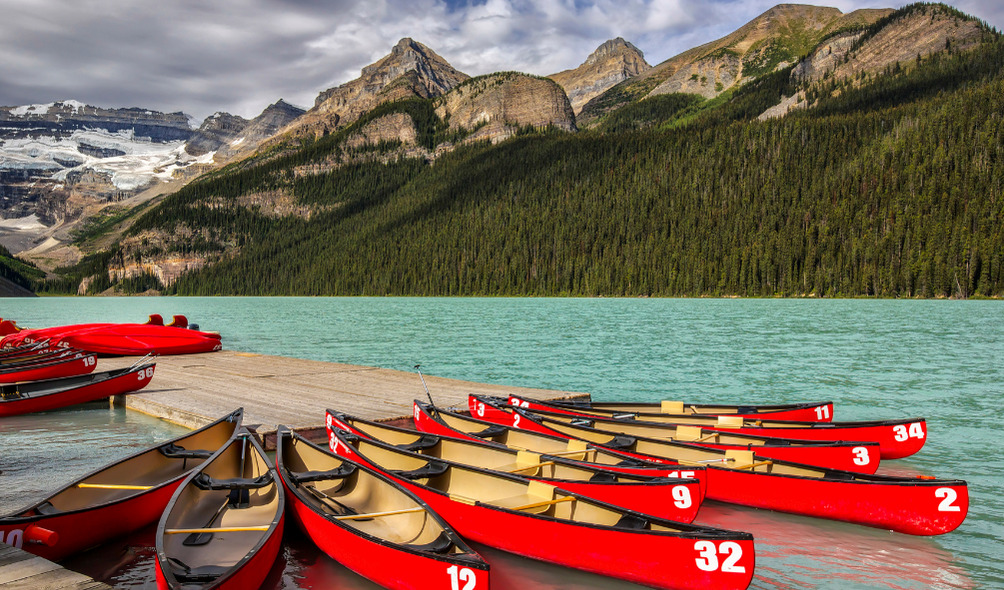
(77, 365)
(808, 412)
(125, 383)
(659, 561)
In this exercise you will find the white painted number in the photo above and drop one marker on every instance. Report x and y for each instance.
(915, 431)
(328, 418)
(15, 538)
(480, 409)
(681, 497)
(515, 420)
(681, 474)
(90, 361)
(458, 575)
(515, 401)
(333, 442)
(146, 373)
(708, 560)
(860, 455)
(418, 414)
(948, 504)
(822, 412)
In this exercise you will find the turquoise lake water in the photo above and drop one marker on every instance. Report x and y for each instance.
(943, 360)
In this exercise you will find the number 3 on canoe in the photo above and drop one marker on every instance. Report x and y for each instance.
(708, 560)
(458, 575)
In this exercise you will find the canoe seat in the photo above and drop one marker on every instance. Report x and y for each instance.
(426, 442)
(173, 451)
(631, 521)
(845, 475)
(603, 477)
(341, 472)
(46, 508)
(620, 442)
(493, 430)
(429, 470)
(195, 575)
(204, 482)
(441, 544)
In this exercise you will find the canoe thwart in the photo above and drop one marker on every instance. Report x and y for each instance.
(366, 515)
(340, 472)
(111, 486)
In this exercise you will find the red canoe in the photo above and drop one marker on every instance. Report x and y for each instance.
(859, 457)
(897, 438)
(442, 422)
(912, 505)
(371, 524)
(68, 364)
(806, 412)
(114, 500)
(223, 527)
(39, 396)
(123, 339)
(669, 498)
(536, 520)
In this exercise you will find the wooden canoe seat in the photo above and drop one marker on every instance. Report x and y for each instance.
(671, 407)
(688, 433)
(536, 500)
(729, 422)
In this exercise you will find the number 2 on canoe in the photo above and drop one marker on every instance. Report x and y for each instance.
(948, 503)
(708, 560)
(916, 431)
(458, 575)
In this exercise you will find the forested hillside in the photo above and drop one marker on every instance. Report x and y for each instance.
(890, 186)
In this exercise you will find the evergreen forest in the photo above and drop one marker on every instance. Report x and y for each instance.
(892, 186)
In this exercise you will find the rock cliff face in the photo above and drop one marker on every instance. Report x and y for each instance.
(611, 63)
(411, 69)
(774, 39)
(919, 33)
(495, 106)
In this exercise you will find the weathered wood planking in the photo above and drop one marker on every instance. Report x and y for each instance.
(192, 390)
(22, 570)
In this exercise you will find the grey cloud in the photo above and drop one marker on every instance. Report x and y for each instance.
(241, 55)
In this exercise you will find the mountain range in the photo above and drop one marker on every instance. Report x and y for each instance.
(89, 191)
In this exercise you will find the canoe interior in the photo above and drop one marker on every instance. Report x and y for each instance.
(49, 386)
(150, 468)
(194, 508)
(364, 493)
(528, 497)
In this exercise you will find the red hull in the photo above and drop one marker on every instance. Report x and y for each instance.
(896, 438)
(76, 365)
(545, 444)
(82, 530)
(808, 412)
(688, 561)
(660, 497)
(858, 457)
(122, 339)
(916, 506)
(132, 380)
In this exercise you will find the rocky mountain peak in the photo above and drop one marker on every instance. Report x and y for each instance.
(613, 47)
(612, 62)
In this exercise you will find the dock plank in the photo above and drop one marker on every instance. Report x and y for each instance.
(193, 390)
(22, 570)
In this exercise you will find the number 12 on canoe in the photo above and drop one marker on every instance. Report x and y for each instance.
(462, 575)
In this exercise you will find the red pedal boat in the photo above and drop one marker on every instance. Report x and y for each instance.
(371, 524)
(859, 457)
(897, 438)
(805, 412)
(443, 422)
(669, 498)
(66, 364)
(39, 396)
(114, 500)
(223, 527)
(912, 505)
(124, 339)
(537, 520)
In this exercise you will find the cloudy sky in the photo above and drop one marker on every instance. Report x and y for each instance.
(202, 56)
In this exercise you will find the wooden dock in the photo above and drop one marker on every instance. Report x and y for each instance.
(20, 570)
(193, 390)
